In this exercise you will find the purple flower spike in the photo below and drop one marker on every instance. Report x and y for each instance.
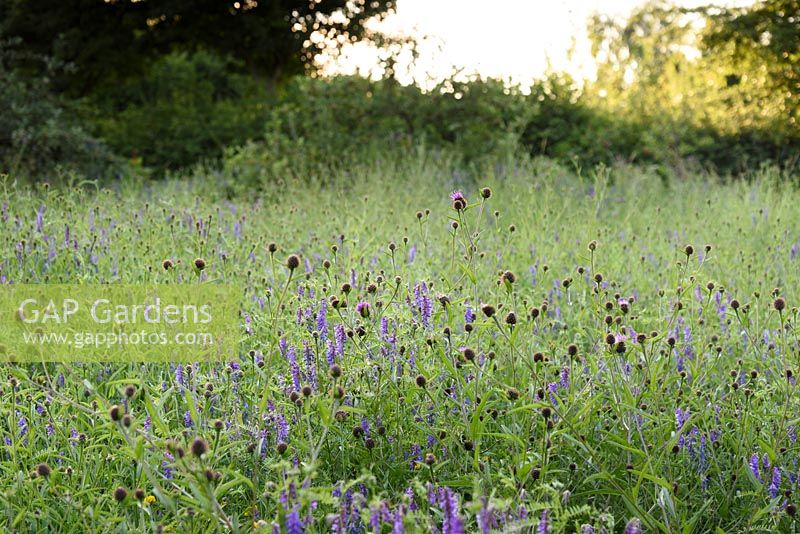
(634, 526)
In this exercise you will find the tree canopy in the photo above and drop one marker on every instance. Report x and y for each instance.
(103, 41)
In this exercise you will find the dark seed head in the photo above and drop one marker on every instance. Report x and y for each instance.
(43, 470)
(430, 459)
(199, 447)
(120, 494)
(130, 390)
(115, 412)
(281, 448)
(167, 265)
(488, 310)
(139, 494)
(779, 304)
(421, 381)
(293, 262)
(572, 349)
(199, 264)
(335, 371)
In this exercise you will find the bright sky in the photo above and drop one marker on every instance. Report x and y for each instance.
(509, 39)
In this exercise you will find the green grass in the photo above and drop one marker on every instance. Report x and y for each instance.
(602, 449)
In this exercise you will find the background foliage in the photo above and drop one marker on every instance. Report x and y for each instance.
(680, 89)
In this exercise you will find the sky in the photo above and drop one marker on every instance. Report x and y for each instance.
(514, 40)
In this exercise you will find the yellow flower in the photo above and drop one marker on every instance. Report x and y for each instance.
(149, 499)
(259, 524)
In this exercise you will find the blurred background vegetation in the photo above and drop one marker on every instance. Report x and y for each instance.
(153, 88)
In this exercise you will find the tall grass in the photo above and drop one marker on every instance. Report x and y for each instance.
(646, 377)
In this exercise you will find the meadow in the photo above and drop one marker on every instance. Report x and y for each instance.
(527, 350)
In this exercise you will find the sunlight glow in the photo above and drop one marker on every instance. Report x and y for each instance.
(514, 40)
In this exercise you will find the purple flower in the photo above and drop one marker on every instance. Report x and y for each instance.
(293, 523)
(187, 419)
(341, 336)
(330, 354)
(322, 319)
(40, 218)
(543, 523)
(634, 526)
(294, 367)
(448, 502)
(362, 308)
(457, 195)
(180, 379)
(775, 483)
(469, 315)
(587, 529)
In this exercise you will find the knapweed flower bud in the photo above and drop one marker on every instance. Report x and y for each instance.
(199, 264)
(43, 470)
(486, 193)
(272, 248)
(115, 412)
(199, 447)
(459, 202)
(293, 262)
(488, 310)
(130, 390)
(421, 381)
(688, 250)
(120, 494)
(779, 304)
(335, 371)
(167, 265)
(363, 309)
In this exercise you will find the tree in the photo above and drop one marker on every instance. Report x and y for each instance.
(104, 41)
(766, 34)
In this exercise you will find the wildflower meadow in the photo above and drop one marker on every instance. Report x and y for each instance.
(531, 349)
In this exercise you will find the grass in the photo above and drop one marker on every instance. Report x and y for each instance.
(688, 427)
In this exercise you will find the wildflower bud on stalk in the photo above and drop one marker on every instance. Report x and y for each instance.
(199, 447)
(199, 264)
(43, 470)
(115, 412)
(293, 262)
(486, 193)
(120, 494)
